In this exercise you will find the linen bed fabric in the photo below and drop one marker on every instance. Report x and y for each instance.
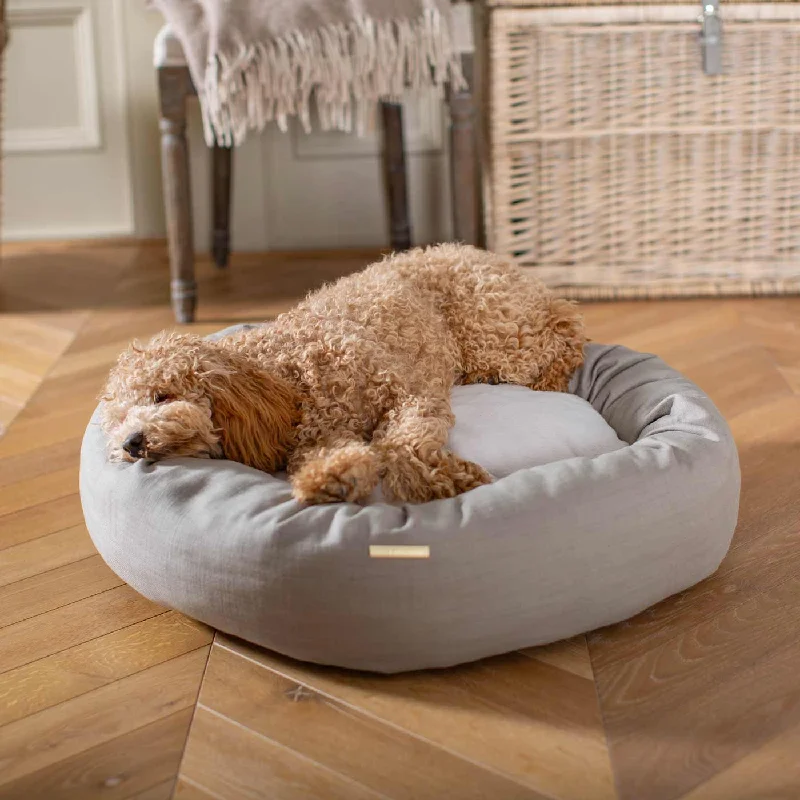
(508, 428)
(253, 61)
(542, 554)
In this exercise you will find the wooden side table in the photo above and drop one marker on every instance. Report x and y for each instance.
(175, 86)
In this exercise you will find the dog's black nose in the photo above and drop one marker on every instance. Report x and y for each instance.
(134, 444)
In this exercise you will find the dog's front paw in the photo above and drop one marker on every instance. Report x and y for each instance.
(411, 480)
(466, 475)
(315, 486)
(339, 475)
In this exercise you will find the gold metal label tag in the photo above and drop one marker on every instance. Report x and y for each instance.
(399, 551)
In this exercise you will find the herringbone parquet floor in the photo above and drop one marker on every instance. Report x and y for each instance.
(106, 695)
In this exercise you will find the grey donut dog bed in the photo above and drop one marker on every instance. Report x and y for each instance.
(542, 554)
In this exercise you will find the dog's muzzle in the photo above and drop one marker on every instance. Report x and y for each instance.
(134, 445)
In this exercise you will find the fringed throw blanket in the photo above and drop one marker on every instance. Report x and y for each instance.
(253, 61)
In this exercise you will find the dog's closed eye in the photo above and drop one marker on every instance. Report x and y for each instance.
(159, 398)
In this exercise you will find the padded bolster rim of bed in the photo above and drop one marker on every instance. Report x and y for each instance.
(544, 554)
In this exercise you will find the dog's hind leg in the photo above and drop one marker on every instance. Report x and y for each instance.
(416, 465)
(343, 470)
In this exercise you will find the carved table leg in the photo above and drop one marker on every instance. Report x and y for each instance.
(221, 201)
(174, 85)
(464, 160)
(394, 175)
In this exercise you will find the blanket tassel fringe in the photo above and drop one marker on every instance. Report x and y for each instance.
(345, 68)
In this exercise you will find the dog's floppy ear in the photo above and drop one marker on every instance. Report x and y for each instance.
(254, 411)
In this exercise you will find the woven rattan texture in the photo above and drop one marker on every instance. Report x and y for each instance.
(619, 169)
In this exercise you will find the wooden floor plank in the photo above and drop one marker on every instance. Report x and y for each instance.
(33, 491)
(184, 790)
(689, 666)
(45, 553)
(571, 655)
(662, 328)
(230, 761)
(20, 355)
(42, 313)
(71, 281)
(108, 333)
(774, 326)
(54, 735)
(71, 625)
(685, 746)
(739, 381)
(771, 772)
(792, 377)
(41, 461)
(138, 765)
(54, 588)
(61, 424)
(54, 679)
(768, 494)
(339, 737)
(17, 384)
(46, 334)
(80, 360)
(78, 392)
(161, 791)
(40, 519)
(528, 720)
(9, 409)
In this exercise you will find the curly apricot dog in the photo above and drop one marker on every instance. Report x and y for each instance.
(351, 387)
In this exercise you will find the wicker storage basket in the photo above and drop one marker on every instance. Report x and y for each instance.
(618, 168)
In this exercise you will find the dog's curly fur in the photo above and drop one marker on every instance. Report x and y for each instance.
(352, 386)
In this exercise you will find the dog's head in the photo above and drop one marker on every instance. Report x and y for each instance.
(182, 395)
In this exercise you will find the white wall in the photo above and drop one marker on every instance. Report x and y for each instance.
(81, 147)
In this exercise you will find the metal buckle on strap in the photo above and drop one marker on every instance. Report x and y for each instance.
(711, 37)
